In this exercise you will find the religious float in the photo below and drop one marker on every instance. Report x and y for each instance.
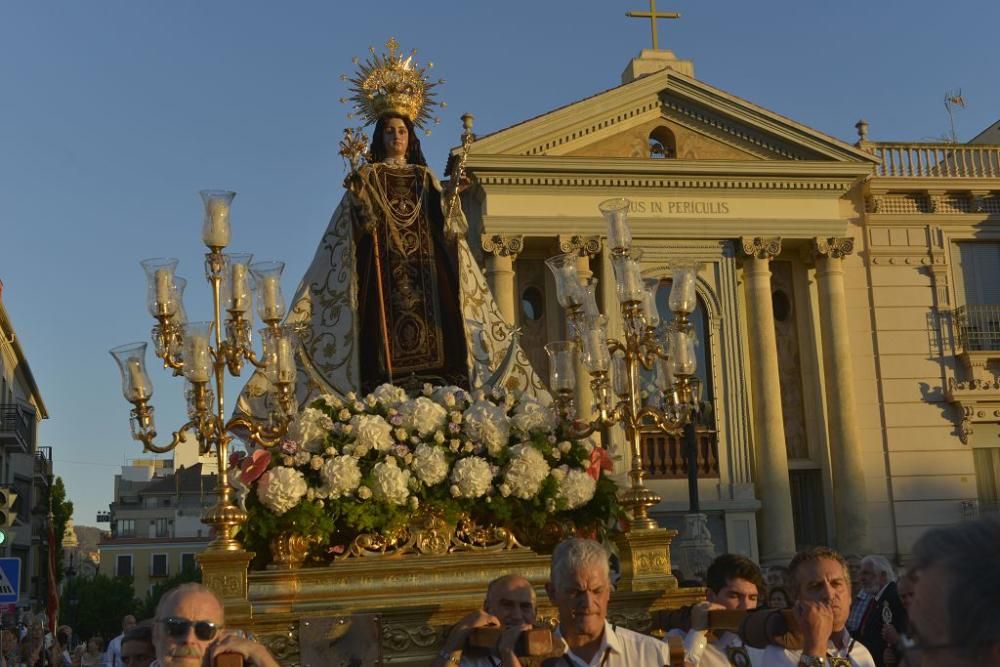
(394, 451)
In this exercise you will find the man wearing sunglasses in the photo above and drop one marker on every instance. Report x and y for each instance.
(189, 631)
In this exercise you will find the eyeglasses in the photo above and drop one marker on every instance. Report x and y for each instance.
(179, 627)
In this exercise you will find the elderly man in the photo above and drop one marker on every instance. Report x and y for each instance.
(509, 603)
(955, 615)
(823, 591)
(113, 656)
(189, 629)
(879, 580)
(580, 588)
(734, 582)
(137, 647)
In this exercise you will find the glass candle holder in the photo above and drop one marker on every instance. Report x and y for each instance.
(180, 316)
(270, 300)
(215, 229)
(619, 375)
(615, 211)
(161, 293)
(683, 297)
(568, 291)
(237, 295)
(683, 361)
(131, 360)
(196, 351)
(562, 355)
(628, 276)
(650, 287)
(589, 292)
(285, 356)
(595, 345)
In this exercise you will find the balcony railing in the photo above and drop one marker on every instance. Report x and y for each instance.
(979, 327)
(937, 160)
(17, 427)
(663, 455)
(43, 461)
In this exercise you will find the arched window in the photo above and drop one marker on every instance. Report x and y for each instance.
(662, 144)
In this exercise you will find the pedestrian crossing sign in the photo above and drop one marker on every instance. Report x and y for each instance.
(10, 579)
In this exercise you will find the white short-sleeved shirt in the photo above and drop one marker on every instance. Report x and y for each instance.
(716, 653)
(624, 648)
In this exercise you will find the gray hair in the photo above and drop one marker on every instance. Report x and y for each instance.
(186, 589)
(967, 552)
(575, 554)
(881, 565)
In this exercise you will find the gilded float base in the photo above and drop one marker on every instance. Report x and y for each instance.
(398, 610)
(645, 560)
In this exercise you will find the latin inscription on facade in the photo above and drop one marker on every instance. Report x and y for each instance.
(680, 207)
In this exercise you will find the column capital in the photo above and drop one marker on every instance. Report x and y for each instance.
(589, 246)
(761, 247)
(503, 245)
(834, 247)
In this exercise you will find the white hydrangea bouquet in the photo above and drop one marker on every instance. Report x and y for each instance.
(369, 464)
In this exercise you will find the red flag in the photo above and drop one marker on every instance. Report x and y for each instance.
(53, 602)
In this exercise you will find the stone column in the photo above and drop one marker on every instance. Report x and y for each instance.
(584, 247)
(501, 251)
(850, 497)
(777, 534)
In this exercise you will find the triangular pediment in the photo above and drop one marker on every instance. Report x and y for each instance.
(692, 119)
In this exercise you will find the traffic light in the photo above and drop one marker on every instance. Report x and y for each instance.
(7, 514)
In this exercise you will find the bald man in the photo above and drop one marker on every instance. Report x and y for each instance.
(510, 603)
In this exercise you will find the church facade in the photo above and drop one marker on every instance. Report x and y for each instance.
(848, 323)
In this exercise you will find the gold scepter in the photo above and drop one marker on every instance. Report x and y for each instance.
(458, 171)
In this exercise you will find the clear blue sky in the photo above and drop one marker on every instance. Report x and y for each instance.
(114, 114)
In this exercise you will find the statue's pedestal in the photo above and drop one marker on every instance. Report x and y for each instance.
(398, 610)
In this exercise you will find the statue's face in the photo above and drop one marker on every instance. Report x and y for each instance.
(395, 138)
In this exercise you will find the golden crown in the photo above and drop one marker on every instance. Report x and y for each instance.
(388, 82)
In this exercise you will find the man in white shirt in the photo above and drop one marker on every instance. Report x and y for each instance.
(113, 656)
(823, 591)
(580, 588)
(510, 603)
(733, 582)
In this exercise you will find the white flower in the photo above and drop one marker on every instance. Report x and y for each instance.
(447, 395)
(472, 476)
(302, 457)
(364, 492)
(390, 482)
(453, 489)
(439, 437)
(281, 489)
(576, 488)
(531, 415)
(310, 427)
(316, 462)
(488, 424)
(526, 472)
(423, 415)
(372, 432)
(430, 464)
(341, 476)
(414, 502)
(332, 401)
(565, 446)
(504, 490)
(389, 395)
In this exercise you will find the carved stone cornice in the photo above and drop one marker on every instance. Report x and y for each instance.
(503, 245)
(589, 246)
(761, 247)
(833, 247)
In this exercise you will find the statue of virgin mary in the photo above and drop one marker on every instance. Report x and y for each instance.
(394, 294)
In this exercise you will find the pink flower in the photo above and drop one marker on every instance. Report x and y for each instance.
(599, 460)
(253, 466)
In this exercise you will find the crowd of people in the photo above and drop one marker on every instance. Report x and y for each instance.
(942, 612)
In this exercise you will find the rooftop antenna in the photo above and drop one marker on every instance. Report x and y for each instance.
(952, 99)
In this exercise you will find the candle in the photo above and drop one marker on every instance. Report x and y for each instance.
(595, 345)
(269, 295)
(682, 354)
(286, 361)
(164, 291)
(200, 361)
(238, 288)
(138, 384)
(633, 281)
(683, 295)
(215, 233)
